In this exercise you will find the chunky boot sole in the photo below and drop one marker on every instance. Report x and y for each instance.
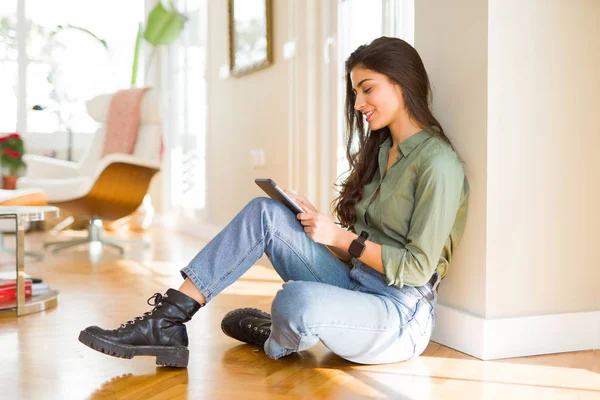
(168, 356)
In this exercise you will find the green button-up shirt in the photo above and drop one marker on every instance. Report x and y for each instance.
(419, 212)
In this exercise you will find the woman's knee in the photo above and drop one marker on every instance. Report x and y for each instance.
(272, 213)
(257, 202)
(294, 303)
(260, 203)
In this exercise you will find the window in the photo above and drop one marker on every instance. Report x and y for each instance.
(8, 65)
(359, 22)
(76, 64)
(62, 67)
(184, 80)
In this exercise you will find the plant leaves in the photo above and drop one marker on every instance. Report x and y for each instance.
(136, 55)
(163, 26)
(69, 26)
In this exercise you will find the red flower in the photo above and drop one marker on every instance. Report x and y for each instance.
(11, 153)
(6, 138)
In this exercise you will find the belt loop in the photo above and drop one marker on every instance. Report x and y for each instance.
(437, 281)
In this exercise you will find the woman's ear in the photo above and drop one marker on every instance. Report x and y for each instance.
(398, 90)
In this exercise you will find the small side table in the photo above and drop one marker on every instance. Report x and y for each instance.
(21, 215)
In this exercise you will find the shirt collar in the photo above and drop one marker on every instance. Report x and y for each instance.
(408, 145)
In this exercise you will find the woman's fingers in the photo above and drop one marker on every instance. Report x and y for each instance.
(294, 196)
(291, 194)
(300, 199)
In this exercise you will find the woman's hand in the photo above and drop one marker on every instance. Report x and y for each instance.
(301, 201)
(320, 228)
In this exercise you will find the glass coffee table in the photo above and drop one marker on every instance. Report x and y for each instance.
(22, 215)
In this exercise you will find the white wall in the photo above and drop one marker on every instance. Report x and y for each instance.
(529, 134)
(244, 113)
(543, 168)
(451, 38)
(516, 86)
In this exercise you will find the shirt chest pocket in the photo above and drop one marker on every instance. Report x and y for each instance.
(396, 208)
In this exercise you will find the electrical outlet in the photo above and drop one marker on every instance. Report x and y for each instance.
(289, 50)
(224, 72)
(258, 158)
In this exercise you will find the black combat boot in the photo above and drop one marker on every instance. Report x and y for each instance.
(248, 325)
(159, 332)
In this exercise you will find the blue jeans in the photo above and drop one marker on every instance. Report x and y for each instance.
(348, 307)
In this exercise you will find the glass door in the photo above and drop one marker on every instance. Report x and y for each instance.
(359, 22)
(184, 77)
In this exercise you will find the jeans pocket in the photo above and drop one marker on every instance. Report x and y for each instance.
(433, 317)
(423, 317)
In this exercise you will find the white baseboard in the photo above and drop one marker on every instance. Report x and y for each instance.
(459, 330)
(490, 339)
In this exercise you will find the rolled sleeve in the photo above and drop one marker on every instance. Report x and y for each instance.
(436, 203)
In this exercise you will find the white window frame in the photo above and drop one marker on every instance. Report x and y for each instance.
(397, 21)
(172, 166)
(38, 141)
(22, 62)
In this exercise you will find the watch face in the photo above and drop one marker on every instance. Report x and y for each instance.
(356, 248)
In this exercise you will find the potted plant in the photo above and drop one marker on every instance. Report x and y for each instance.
(163, 27)
(11, 159)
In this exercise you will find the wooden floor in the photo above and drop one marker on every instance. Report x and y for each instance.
(41, 357)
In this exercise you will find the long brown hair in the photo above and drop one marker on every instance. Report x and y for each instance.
(401, 63)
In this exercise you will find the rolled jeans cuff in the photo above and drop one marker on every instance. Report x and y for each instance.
(187, 272)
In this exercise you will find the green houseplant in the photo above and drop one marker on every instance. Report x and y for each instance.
(163, 27)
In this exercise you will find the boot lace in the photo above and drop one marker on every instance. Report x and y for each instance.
(157, 301)
(259, 335)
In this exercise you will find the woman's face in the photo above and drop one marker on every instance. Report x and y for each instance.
(378, 99)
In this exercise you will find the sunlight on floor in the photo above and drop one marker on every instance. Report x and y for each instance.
(426, 371)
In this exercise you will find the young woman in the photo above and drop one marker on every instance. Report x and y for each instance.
(365, 287)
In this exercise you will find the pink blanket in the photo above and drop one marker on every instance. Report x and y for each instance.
(123, 121)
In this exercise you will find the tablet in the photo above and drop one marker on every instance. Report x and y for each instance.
(270, 187)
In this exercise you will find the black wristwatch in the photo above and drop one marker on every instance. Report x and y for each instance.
(357, 247)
